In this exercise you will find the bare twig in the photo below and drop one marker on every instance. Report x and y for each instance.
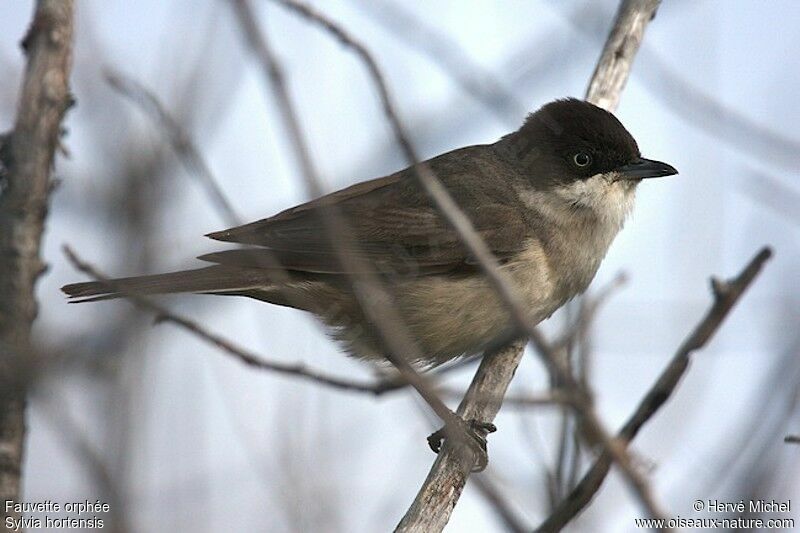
(24, 189)
(75, 440)
(435, 500)
(491, 492)
(726, 295)
(590, 306)
(575, 346)
(419, 34)
(611, 72)
(180, 140)
(792, 439)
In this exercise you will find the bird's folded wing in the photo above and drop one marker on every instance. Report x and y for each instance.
(395, 226)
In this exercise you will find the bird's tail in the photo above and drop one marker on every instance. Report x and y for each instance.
(213, 279)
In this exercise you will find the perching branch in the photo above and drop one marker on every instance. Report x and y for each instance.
(726, 295)
(611, 72)
(441, 490)
(27, 159)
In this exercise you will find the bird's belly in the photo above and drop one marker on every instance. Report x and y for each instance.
(452, 317)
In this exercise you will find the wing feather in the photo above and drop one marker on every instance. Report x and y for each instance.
(395, 225)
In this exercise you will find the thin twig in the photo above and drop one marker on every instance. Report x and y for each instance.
(418, 33)
(179, 139)
(590, 306)
(726, 295)
(574, 344)
(74, 438)
(491, 492)
(27, 160)
(792, 439)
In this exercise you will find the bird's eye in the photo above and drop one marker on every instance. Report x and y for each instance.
(582, 159)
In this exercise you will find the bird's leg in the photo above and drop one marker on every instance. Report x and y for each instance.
(475, 432)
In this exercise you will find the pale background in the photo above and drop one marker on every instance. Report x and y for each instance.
(194, 441)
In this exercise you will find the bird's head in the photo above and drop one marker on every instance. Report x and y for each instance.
(582, 153)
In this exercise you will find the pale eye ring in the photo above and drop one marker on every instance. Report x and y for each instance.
(582, 159)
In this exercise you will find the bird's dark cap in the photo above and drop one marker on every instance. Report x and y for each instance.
(552, 136)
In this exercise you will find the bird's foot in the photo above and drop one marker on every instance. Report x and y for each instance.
(476, 433)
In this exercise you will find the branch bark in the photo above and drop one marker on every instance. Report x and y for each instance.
(440, 492)
(27, 158)
(611, 73)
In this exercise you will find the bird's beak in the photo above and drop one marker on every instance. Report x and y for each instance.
(645, 168)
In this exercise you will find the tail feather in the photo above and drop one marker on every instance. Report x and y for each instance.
(218, 279)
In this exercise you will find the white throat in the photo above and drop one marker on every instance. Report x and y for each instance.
(604, 195)
(586, 215)
(600, 197)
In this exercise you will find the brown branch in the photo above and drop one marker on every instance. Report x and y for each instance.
(726, 295)
(28, 156)
(614, 66)
(440, 492)
(574, 344)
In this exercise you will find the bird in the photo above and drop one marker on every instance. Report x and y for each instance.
(547, 199)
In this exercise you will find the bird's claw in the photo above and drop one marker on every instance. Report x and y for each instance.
(476, 432)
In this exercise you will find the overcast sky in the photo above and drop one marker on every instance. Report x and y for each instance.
(210, 450)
